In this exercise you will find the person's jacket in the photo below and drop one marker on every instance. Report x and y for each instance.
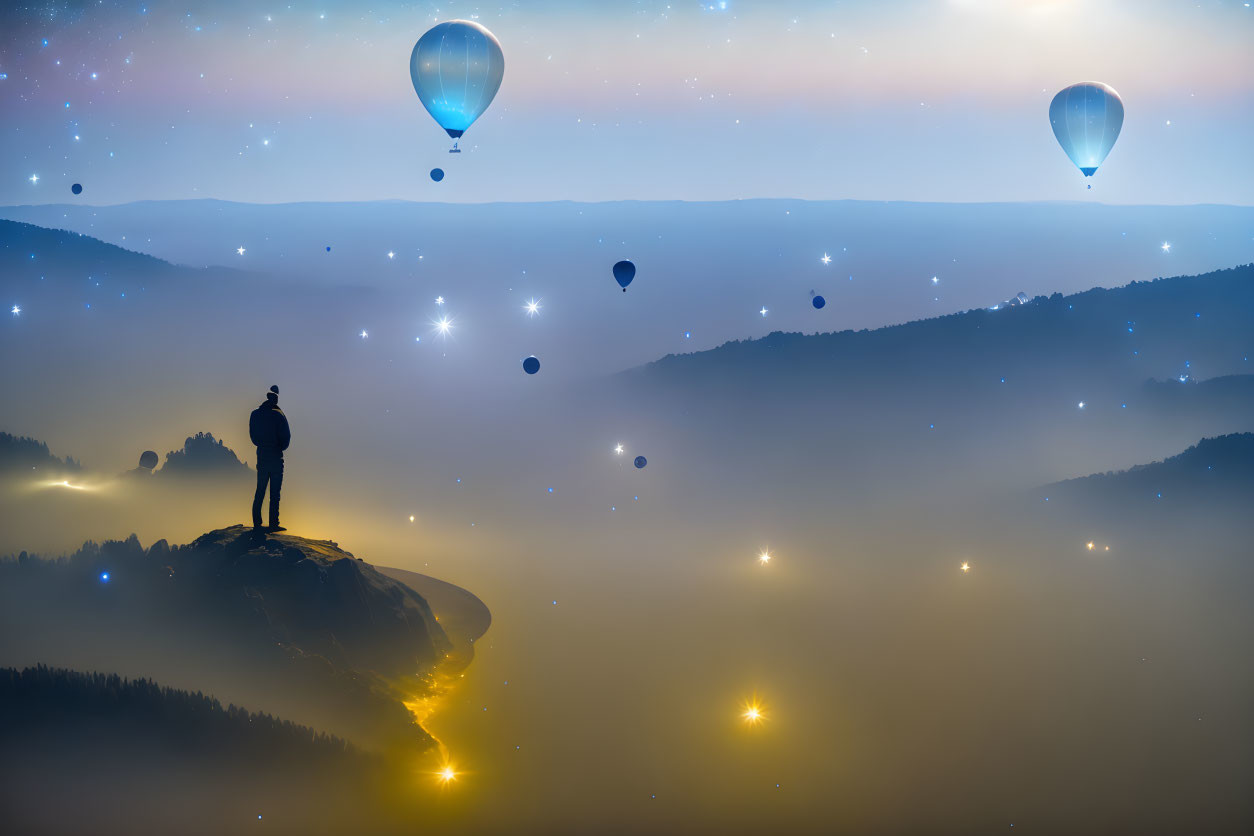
(267, 427)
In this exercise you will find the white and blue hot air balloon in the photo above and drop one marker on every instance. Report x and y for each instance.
(1086, 119)
(456, 67)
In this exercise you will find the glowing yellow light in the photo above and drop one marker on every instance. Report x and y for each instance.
(764, 558)
(1089, 545)
(411, 517)
(65, 483)
(1108, 548)
(966, 567)
(754, 712)
(446, 775)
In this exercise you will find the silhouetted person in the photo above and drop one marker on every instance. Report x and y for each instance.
(267, 426)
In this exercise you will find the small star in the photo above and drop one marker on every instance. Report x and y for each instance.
(935, 280)
(532, 307)
(391, 254)
(763, 311)
(618, 448)
(364, 334)
(966, 567)
(239, 250)
(439, 300)
(826, 259)
(34, 178)
(764, 558)
(16, 310)
(1166, 246)
(1080, 405)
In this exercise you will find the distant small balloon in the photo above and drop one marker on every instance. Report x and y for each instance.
(148, 459)
(624, 272)
(818, 302)
(437, 174)
(531, 365)
(328, 249)
(640, 462)
(77, 188)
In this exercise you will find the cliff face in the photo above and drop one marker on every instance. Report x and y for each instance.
(276, 623)
(318, 599)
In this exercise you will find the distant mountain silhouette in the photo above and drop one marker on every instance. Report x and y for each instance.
(1159, 320)
(1215, 474)
(202, 454)
(137, 757)
(19, 453)
(279, 623)
(18, 240)
(1046, 387)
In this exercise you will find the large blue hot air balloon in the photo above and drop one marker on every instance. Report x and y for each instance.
(456, 68)
(1086, 119)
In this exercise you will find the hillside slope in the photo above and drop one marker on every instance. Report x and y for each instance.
(274, 622)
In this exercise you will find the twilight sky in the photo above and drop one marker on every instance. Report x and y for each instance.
(944, 100)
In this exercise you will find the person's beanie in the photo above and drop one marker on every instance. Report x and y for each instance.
(273, 394)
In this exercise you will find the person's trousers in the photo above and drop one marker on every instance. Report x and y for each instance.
(268, 473)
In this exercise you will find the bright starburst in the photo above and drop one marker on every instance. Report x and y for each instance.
(391, 254)
(532, 307)
(16, 310)
(1166, 246)
(935, 280)
(1090, 545)
(966, 567)
(764, 311)
(239, 250)
(34, 178)
(446, 774)
(618, 448)
(1080, 405)
(765, 557)
(754, 712)
(364, 334)
(443, 326)
(439, 300)
(826, 259)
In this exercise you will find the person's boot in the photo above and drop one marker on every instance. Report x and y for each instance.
(274, 526)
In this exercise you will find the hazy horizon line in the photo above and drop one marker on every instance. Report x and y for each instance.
(627, 200)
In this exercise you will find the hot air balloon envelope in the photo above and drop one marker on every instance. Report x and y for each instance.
(531, 365)
(148, 459)
(624, 272)
(640, 462)
(818, 302)
(456, 67)
(1086, 119)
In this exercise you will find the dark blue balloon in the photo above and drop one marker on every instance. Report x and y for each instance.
(640, 462)
(77, 188)
(624, 272)
(437, 174)
(328, 249)
(818, 302)
(531, 365)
